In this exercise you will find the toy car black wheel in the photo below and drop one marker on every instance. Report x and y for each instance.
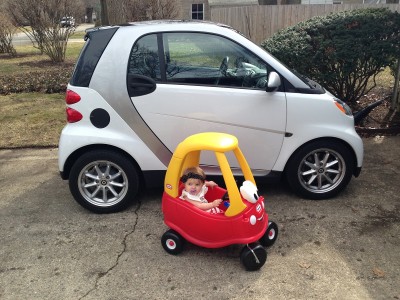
(172, 242)
(270, 235)
(253, 256)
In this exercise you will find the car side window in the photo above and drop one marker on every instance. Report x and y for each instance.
(208, 59)
(144, 59)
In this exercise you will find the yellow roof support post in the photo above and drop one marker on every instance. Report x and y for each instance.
(248, 175)
(235, 199)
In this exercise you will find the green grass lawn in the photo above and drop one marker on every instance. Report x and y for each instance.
(385, 79)
(29, 59)
(33, 119)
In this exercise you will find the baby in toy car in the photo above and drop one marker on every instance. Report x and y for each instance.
(195, 188)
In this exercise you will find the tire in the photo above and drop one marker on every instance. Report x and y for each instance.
(172, 242)
(320, 170)
(103, 181)
(253, 256)
(270, 235)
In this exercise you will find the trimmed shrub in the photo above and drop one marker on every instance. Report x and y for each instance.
(50, 81)
(7, 29)
(342, 51)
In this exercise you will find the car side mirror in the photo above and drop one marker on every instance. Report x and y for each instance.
(274, 82)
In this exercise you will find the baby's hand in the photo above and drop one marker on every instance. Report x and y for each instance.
(217, 202)
(211, 184)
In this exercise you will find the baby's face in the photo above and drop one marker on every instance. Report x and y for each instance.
(193, 186)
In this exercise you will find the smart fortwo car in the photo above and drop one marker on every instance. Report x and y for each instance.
(138, 90)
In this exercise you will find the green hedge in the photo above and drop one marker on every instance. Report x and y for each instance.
(342, 51)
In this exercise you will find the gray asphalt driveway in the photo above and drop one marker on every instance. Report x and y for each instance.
(51, 248)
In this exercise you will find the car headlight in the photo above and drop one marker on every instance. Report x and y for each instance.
(343, 107)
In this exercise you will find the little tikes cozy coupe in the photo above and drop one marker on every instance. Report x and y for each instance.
(244, 221)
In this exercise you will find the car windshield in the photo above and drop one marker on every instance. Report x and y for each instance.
(311, 83)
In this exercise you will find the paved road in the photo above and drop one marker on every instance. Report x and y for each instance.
(51, 248)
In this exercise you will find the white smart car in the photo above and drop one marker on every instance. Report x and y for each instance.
(138, 90)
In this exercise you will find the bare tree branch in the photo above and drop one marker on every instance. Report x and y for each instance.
(7, 29)
(122, 11)
(43, 17)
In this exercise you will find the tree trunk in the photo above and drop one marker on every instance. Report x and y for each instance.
(104, 13)
(396, 90)
(89, 13)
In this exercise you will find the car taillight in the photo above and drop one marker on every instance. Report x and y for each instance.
(73, 115)
(72, 97)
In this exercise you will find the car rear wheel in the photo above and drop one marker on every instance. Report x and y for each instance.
(103, 181)
(320, 169)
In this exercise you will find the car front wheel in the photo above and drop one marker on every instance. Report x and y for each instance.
(103, 181)
(320, 169)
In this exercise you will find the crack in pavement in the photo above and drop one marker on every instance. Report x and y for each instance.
(102, 274)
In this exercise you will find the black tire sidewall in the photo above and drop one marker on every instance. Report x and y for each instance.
(171, 234)
(265, 240)
(248, 260)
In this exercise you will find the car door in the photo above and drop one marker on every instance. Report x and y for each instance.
(207, 82)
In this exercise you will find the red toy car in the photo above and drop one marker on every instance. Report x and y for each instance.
(244, 220)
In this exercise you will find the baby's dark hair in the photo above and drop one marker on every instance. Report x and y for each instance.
(193, 172)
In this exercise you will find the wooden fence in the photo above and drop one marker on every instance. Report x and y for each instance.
(259, 22)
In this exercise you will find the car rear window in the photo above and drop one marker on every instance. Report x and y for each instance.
(144, 59)
(96, 41)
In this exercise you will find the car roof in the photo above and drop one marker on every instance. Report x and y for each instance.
(212, 141)
(176, 22)
(165, 25)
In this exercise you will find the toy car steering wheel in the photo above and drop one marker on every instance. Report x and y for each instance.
(225, 199)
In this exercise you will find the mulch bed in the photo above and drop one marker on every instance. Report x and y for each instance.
(382, 120)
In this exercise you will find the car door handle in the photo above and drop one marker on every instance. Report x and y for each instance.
(139, 85)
